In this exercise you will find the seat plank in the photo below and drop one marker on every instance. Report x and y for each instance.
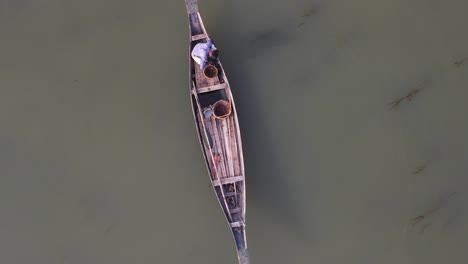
(212, 88)
(199, 36)
(228, 180)
(237, 224)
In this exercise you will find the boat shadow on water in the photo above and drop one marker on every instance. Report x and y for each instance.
(267, 182)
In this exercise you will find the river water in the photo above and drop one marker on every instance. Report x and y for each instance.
(352, 113)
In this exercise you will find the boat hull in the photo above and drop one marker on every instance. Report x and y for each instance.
(218, 130)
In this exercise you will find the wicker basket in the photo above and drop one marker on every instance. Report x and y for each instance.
(222, 109)
(210, 71)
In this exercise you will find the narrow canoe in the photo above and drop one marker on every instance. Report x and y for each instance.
(218, 130)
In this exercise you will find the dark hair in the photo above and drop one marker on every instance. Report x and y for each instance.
(215, 53)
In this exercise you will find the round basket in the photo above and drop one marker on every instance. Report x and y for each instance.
(222, 109)
(210, 71)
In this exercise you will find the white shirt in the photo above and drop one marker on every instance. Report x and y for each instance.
(200, 53)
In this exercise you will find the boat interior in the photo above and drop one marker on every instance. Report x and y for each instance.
(218, 129)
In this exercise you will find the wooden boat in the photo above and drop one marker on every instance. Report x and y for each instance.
(218, 129)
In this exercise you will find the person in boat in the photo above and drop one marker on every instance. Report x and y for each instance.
(213, 56)
(204, 52)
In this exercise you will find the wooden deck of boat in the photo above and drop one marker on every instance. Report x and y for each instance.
(223, 155)
(224, 137)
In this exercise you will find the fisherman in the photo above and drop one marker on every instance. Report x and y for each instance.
(213, 56)
(204, 52)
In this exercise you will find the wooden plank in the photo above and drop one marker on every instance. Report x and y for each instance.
(235, 152)
(219, 147)
(199, 36)
(235, 210)
(212, 88)
(228, 180)
(227, 143)
(201, 22)
(213, 166)
(237, 224)
(223, 146)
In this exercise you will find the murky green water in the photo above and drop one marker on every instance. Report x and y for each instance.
(100, 162)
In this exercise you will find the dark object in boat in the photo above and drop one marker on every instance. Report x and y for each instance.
(210, 71)
(222, 109)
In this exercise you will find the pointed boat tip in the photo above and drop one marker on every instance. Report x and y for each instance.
(243, 255)
(192, 6)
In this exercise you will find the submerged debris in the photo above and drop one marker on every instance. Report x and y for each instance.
(427, 216)
(420, 168)
(408, 97)
(424, 227)
(460, 62)
(311, 11)
(411, 94)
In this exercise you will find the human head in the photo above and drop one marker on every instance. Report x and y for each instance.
(214, 53)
